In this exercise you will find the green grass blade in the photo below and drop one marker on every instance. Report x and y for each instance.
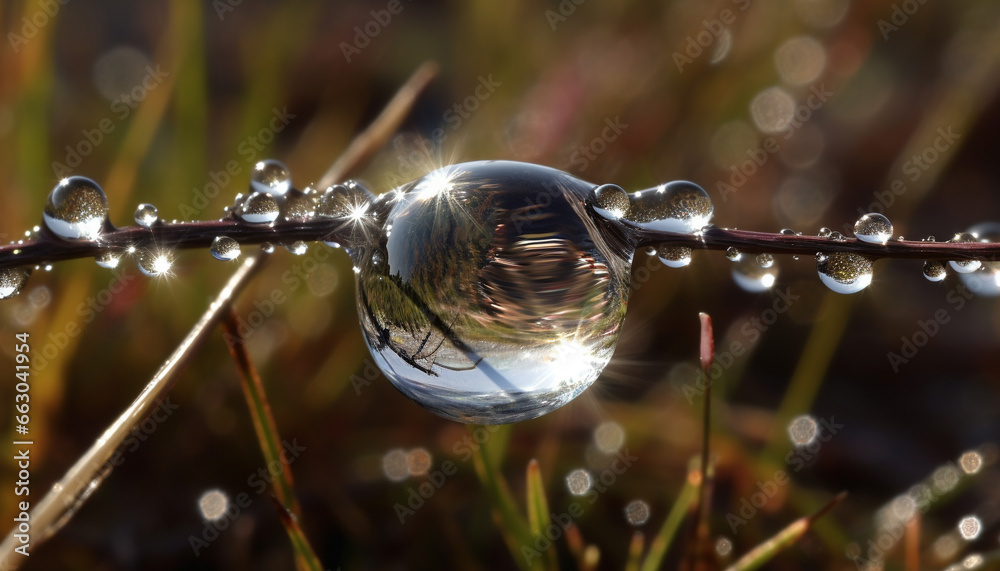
(766, 551)
(658, 548)
(260, 413)
(515, 530)
(305, 557)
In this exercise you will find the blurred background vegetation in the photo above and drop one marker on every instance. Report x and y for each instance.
(170, 95)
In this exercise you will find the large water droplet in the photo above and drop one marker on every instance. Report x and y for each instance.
(611, 201)
(679, 206)
(765, 260)
(225, 248)
(934, 271)
(845, 272)
(873, 228)
(270, 176)
(76, 209)
(674, 256)
(753, 277)
(481, 312)
(259, 208)
(733, 255)
(12, 280)
(108, 259)
(146, 215)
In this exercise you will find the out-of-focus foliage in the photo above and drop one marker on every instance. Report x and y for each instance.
(799, 114)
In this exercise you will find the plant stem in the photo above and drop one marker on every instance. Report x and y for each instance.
(47, 248)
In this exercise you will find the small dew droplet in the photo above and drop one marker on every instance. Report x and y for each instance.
(733, 255)
(259, 208)
(611, 201)
(873, 228)
(298, 247)
(12, 280)
(765, 260)
(970, 527)
(934, 271)
(802, 430)
(299, 205)
(787, 232)
(154, 263)
(108, 259)
(267, 248)
(679, 206)
(76, 209)
(637, 512)
(674, 256)
(964, 266)
(578, 482)
(723, 546)
(824, 232)
(270, 176)
(225, 248)
(845, 272)
(213, 505)
(146, 215)
(752, 277)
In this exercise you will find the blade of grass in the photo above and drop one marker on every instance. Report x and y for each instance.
(538, 507)
(635, 551)
(766, 551)
(661, 543)
(515, 530)
(706, 356)
(912, 539)
(377, 134)
(83, 478)
(260, 413)
(305, 557)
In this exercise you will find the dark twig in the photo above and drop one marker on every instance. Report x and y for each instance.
(46, 248)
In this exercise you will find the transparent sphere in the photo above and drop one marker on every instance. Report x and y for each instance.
(491, 295)
(76, 209)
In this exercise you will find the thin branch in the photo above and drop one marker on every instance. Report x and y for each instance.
(46, 248)
(369, 141)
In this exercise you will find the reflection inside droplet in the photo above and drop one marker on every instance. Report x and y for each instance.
(495, 298)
